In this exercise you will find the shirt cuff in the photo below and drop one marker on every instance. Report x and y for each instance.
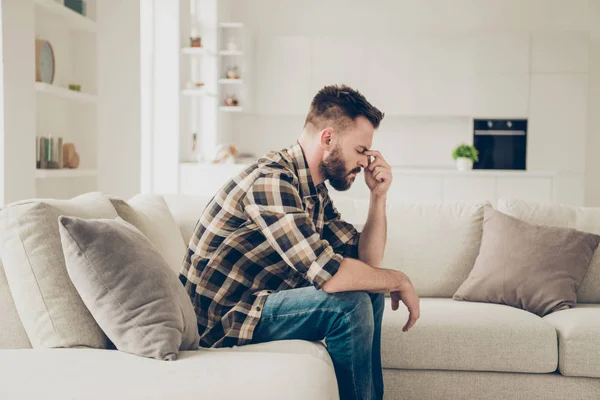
(324, 267)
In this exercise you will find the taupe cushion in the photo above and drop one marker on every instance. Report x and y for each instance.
(12, 335)
(578, 340)
(50, 309)
(150, 214)
(534, 267)
(462, 336)
(128, 287)
(585, 219)
(435, 245)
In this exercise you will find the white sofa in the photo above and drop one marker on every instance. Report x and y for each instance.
(457, 350)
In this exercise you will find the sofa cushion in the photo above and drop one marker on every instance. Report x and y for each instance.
(13, 337)
(246, 372)
(128, 287)
(534, 267)
(435, 245)
(186, 211)
(582, 218)
(151, 215)
(578, 340)
(454, 335)
(50, 308)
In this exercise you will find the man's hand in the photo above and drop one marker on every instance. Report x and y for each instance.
(378, 174)
(411, 301)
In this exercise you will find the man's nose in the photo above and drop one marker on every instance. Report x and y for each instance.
(364, 162)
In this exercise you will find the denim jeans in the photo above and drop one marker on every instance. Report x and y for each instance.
(350, 323)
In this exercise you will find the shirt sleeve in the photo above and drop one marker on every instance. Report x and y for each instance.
(342, 235)
(273, 203)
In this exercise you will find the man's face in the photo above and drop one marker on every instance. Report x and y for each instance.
(346, 161)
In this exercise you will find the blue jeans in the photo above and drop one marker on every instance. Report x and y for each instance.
(350, 323)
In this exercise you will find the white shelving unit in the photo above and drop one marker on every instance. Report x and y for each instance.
(238, 25)
(62, 112)
(197, 92)
(197, 51)
(204, 114)
(231, 53)
(64, 93)
(64, 173)
(232, 44)
(231, 109)
(72, 19)
(231, 81)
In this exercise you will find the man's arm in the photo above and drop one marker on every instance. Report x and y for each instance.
(273, 203)
(378, 177)
(374, 235)
(355, 275)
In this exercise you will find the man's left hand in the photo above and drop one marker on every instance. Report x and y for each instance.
(378, 174)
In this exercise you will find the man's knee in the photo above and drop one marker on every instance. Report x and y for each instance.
(358, 304)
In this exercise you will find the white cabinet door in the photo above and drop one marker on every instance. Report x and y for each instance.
(535, 190)
(469, 189)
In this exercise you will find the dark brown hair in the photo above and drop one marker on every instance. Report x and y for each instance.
(341, 104)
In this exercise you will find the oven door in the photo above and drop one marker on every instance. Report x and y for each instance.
(501, 150)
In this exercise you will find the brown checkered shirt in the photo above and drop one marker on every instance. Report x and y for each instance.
(268, 229)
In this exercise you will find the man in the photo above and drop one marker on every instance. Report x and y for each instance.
(272, 259)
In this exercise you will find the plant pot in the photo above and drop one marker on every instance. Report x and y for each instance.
(464, 164)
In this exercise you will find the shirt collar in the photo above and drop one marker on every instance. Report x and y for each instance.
(307, 186)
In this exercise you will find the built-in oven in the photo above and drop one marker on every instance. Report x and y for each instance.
(501, 143)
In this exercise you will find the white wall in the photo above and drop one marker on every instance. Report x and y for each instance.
(17, 126)
(119, 103)
(592, 186)
(431, 66)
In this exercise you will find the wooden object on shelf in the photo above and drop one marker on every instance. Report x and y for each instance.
(70, 156)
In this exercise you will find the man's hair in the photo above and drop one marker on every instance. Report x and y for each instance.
(339, 105)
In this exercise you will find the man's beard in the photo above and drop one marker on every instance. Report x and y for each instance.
(333, 168)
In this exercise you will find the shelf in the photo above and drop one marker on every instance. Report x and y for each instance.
(58, 91)
(64, 173)
(198, 51)
(231, 81)
(231, 25)
(231, 109)
(73, 20)
(197, 92)
(231, 53)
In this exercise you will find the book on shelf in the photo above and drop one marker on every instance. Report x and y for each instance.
(49, 152)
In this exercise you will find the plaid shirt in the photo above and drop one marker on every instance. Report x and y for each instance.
(268, 229)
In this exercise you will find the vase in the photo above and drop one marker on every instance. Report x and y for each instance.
(464, 164)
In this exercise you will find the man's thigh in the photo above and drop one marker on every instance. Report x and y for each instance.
(303, 313)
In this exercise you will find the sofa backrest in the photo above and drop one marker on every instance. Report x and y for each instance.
(435, 245)
(12, 334)
(186, 210)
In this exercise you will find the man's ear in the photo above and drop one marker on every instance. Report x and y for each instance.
(328, 139)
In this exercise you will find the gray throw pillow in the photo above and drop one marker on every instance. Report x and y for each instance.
(537, 268)
(128, 287)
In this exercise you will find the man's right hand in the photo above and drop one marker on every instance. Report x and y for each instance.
(410, 299)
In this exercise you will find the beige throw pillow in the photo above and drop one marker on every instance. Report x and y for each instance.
(52, 312)
(534, 267)
(151, 215)
(128, 287)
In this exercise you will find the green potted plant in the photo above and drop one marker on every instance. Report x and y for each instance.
(465, 155)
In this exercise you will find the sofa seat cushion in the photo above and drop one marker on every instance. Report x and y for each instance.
(578, 332)
(454, 335)
(294, 370)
